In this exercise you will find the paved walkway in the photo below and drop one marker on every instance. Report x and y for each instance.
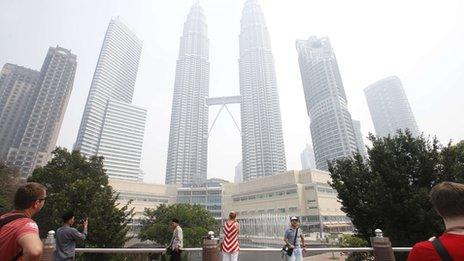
(325, 257)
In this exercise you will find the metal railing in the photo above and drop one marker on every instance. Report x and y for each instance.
(162, 250)
(381, 250)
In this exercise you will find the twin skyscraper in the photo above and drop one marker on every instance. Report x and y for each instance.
(263, 148)
(113, 128)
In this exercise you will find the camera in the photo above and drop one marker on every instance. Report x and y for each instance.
(81, 221)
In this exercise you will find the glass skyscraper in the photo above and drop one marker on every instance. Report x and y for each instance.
(331, 126)
(111, 126)
(263, 150)
(389, 107)
(188, 135)
(359, 138)
(307, 158)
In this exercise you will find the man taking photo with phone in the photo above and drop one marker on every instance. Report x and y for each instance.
(66, 237)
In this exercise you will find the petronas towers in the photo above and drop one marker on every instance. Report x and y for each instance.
(262, 140)
(263, 149)
(188, 135)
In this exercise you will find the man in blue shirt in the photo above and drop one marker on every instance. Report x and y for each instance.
(66, 237)
(294, 239)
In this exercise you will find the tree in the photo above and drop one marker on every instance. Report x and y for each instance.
(452, 162)
(194, 220)
(9, 182)
(79, 184)
(390, 190)
(354, 241)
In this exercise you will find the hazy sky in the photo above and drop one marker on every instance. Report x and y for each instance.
(422, 42)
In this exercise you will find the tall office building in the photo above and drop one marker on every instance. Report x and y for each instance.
(238, 177)
(263, 150)
(188, 135)
(308, 161)
(359, 138)
(114, 79)
(33, 144)
(17, 85)
(389, 107)
(111, 127)
(331, 126)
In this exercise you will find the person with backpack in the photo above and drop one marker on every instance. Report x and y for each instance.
(294, 241)
(447, 199)
(19, 234)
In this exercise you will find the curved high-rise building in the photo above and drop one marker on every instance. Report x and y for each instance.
(389, 107)
(331, 126)
(263, 149)
(188, 135)
(114, 79)
(111, 126)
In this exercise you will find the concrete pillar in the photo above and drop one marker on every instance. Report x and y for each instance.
(383, 250)
(210, 247)
(49, 246)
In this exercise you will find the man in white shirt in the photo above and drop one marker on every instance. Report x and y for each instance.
(177, 241)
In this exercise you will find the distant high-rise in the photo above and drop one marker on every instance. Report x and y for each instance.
(359, 138)
(17, 86)
(33, 144)
(111, 126)
(188, 135)
(263, 150)
(307, 158)
(389, 107)
(238, 173)
(331, 126)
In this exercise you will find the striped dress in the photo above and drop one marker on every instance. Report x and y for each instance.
(230, 243)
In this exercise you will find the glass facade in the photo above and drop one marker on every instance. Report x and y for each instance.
(389, 107)
(331, 126)
(111, 126)
(208, 194)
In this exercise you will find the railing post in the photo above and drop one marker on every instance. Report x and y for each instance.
(49, 247)
(210, 247)
(383, 250)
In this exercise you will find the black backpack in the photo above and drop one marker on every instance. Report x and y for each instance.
(6, 220)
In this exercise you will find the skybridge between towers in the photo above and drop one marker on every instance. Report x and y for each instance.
(223, 101)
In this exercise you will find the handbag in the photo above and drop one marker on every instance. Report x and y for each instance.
(169, 251)
(287, 249)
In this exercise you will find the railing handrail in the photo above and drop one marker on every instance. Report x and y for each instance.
(161, 250)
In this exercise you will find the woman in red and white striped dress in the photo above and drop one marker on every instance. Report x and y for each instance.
(230, 245)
